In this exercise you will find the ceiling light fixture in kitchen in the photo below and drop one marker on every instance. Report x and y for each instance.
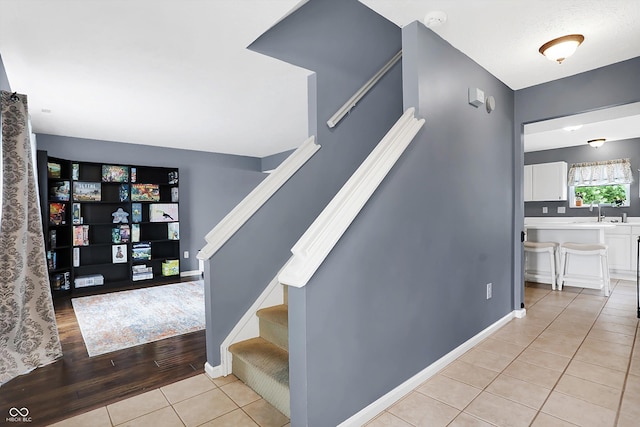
(596, 143)
(561, 48)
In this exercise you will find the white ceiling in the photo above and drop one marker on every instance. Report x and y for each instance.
(176, 73)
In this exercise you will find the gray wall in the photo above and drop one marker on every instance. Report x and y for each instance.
(629, 148)
(406, 284)
(4, 80)
(345, 43)
(210, 184)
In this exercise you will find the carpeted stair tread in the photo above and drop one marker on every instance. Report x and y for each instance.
(264, 356)
(277, 314)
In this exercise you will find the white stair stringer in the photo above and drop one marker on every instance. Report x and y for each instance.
(248, 325)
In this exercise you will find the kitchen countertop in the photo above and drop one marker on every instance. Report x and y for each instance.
(572, 225)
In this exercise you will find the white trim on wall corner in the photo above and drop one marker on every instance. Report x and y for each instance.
(370, 412)
(235, 219)
(213, 371)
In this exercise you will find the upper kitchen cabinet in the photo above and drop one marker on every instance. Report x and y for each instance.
(545, 182)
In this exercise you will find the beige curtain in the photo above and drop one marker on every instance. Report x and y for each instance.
(609, 172)
(28, 330)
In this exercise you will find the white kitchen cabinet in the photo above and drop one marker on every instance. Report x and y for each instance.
(549, 181)
(619, 251)
(623, 250)
(528, 183)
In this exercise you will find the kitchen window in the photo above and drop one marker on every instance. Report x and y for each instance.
(605, 183)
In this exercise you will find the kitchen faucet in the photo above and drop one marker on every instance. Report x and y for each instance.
(600, 216)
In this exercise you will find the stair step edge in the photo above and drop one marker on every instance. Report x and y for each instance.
(277, 314)
(264, 356)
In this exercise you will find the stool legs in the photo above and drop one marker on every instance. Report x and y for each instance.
(554, 278)
(562, 271)
(605, 273)
(601, 251)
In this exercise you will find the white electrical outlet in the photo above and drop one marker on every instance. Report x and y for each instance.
(488, 290)
(186, 254)
(545, 209)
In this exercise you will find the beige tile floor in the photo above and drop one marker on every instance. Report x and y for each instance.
(574, 360)
(196, 401)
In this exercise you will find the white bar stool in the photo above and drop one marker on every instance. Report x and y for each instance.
(581, 249)
(542, 247)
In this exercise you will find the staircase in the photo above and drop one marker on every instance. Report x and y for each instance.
(263, 362)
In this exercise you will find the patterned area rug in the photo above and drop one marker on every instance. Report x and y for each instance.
(125, 319)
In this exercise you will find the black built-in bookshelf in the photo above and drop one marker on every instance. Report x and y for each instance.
(108, 225)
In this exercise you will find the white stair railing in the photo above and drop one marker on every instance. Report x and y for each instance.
(231, 223)
(316, 243)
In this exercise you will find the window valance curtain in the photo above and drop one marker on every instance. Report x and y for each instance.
(601, 173)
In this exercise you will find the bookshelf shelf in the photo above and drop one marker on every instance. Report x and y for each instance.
(85, 247)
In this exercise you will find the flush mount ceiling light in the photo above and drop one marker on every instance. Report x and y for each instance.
(596, 143)
(561, 48)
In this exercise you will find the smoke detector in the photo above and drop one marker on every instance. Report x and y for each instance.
(435, 18)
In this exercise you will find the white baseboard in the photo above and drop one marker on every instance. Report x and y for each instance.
(213, 371)
(190, 273)
(520, 313)
(371, 411)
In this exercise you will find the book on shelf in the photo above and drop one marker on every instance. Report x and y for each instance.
(87, 191)
(135, 232)
(171, 267)
(115, 235)
(173, 231)
(119, 254)
(52, 260)
(134, 174)
(113, 173)
(80, 235)
(90, 280)
(59, 191)
(173, 177)
(57, 213)
(145, 193)
(61, 281)
(141, 251)
(125, 233)
(163, 212)
(174, 194)
(76, 257)
(75, 171)
(136, 212)
(76, 217)
(54, 170)
(123, 192)
(53, 239)
(141, 272)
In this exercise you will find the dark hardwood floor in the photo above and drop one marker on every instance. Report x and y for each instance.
(77, 383)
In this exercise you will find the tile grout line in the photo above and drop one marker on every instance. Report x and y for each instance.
(499, 373)
(537, 336)
(574, 355)
(626, 377)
